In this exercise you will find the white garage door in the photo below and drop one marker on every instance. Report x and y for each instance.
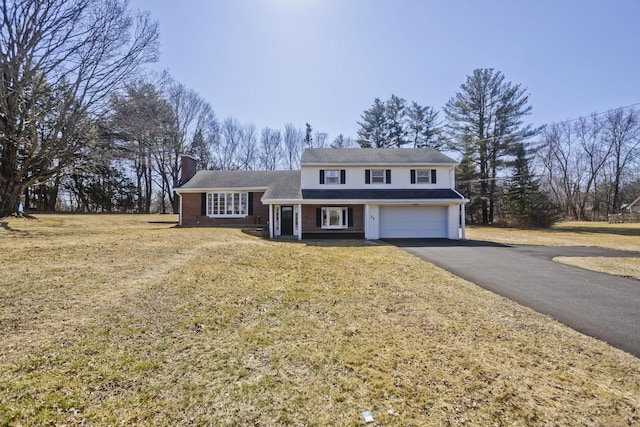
(413, 221)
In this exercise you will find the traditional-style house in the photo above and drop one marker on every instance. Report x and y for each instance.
(369, 193)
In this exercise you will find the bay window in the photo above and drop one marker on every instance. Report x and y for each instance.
(227, 204)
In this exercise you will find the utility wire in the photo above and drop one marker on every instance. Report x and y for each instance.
(504, 178)
(568, 120)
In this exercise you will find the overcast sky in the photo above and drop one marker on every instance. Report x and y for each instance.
(270, 62)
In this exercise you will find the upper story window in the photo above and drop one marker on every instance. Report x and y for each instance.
(227, 204)
(423, 176)
(332, 176)
(377, 176)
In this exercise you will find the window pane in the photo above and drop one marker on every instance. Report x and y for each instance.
(243, 203)
(377, 175)
(332, 176)
(335, 217)
(228, 203)
(423, 176)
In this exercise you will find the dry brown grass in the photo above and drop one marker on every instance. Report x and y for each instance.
(597, 234)
(111, 320)
(625, 267)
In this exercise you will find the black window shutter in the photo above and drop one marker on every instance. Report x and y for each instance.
(343, 176)
(350, 215)
(318, 217)
(203, 204)
(433, 176)
(250, 203)
(413, 176)
(367, 176)
(321, 176)
(388, 172)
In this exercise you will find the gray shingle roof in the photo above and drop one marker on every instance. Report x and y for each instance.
(373, 156)
(279, 184)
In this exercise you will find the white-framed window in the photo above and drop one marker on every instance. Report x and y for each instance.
(335, 217)
(332, 176)
(423, 176)
(227, 204)
(377, 176)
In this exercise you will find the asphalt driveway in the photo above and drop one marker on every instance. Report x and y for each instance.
(600, 305)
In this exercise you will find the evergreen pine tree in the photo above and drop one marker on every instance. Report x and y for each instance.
(308, 139)
(395, 126)
(487, 116)
(527, 205)
(372, 132)
(200, 150)
(423, 127)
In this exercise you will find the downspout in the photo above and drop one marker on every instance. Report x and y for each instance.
(463, 221)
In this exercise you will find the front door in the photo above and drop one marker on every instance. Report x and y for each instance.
(286, 219)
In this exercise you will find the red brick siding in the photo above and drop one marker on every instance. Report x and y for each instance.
(309, 218)
(192, 208)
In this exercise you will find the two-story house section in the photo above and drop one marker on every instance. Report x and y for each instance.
(384, 192)
(369, 193)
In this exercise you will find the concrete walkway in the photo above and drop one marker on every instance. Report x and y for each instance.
(600, 305)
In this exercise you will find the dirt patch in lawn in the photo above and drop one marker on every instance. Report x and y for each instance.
(114, 320)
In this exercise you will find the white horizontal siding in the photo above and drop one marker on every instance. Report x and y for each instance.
(400, 178)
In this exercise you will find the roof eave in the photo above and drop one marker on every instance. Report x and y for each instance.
(212, 189)
(375, 201)
(395, 164)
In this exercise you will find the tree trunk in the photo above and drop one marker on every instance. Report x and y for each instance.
(9, 198)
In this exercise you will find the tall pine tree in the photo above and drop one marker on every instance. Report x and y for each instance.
(527, 205)
(486, 116)
(372, 132)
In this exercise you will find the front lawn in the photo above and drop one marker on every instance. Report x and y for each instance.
(110, 320)
(596, 234)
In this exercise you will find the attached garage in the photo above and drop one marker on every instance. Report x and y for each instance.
(413, 221)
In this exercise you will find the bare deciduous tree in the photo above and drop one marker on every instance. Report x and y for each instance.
(191, 114)
(622, 129)
(226, 150)
(321, 139)
(293, 144)
(271, 150)
(247, 152)
(59, 61)
(585, 161)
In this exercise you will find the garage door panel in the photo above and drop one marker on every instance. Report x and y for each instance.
(413, 221)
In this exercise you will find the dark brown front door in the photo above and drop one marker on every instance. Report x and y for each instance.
(286, 220)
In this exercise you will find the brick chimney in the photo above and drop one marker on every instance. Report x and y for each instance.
(189, 166)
